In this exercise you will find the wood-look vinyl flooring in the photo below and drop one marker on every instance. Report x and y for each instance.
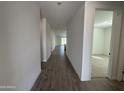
(58, 75)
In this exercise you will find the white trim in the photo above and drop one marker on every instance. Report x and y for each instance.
(115, 44)
(120, 55)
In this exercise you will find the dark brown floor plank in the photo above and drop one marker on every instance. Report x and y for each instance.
(59, 75)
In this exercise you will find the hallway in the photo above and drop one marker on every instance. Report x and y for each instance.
(32, 56)
(59, 75)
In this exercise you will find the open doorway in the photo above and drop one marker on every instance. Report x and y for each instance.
(63, 41)
(101, 43)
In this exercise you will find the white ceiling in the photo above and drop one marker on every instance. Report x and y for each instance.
(60, 33)
(58, 16)
(103, 19)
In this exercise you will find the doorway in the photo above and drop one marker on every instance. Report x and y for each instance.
(101, 43)
(63, 41)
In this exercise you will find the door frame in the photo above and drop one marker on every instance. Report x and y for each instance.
(89, 19)
(110, 57)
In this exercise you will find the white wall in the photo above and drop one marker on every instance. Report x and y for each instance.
(43, 39)
(53, 39)
(98, 41)
(5, 66)
(108, 32)
(58, 40)
(75, 40)
(101, 40)
(47, 39)
(121, 54)
(20, 37)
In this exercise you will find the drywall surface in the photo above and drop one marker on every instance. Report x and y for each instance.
(121, 54)
(108, 32)
(20, 33)
(75, 40)
(53, 40)
(98, 41)
(58, 40)
(47, 39)
(101, 40)
(43, 39)
(5, 67)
